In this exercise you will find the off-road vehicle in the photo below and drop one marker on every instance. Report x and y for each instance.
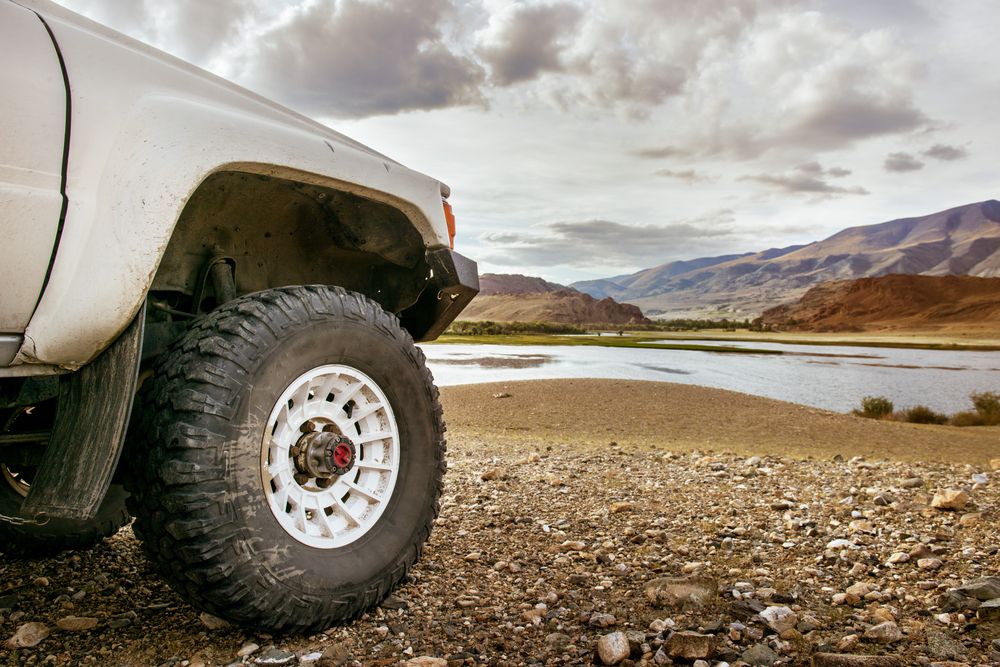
(208, 308)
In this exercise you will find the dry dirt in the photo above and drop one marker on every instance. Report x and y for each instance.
(565, 499)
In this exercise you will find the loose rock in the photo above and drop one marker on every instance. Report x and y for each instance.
(275, 656)
(884, 633)
(950, 499)
(247, 649)
(28, 635)
(690, 645)
(780, 619)
(602, 620)
(492, 474)
(760, 654)
(613, 648)
(989, 611)
(986, 588)
(213, 622)
(76, 623)
(684, 592)
(426, 661)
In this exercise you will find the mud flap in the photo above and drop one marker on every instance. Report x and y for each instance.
(89, 431)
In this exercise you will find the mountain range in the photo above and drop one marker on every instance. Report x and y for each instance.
(959, 241)
(962, 305)
(513, 297)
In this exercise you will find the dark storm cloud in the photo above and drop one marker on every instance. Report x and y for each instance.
(590, 242)
(531, 42)
(902, 162)
(359, 58)
(945, 152)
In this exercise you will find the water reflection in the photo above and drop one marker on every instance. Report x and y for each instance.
(506, 361)
(831, 377)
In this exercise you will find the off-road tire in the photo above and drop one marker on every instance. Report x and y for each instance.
(195, 457)
(32, 540)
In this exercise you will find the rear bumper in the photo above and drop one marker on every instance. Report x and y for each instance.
(454, 282)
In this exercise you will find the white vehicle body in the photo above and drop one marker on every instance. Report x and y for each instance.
(144, 132)
(140, 195)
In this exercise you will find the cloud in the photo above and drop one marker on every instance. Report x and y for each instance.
(808, 178)
(802, 81)
(659, 153)
(191, 29)
(530, 41)
(945, 152)
(733, 79)
(687, 175)
(359, 58)
(603, 242)
(902, 162)
(816, 169)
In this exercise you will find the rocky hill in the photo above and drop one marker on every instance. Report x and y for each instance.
(517, 298)
(515, 283)
(895, 303)
(963, 240)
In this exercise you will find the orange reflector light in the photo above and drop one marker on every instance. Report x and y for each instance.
(449, 216)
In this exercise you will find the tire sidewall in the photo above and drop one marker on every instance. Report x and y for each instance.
(391, 362)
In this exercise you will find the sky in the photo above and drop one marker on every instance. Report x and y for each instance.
(591, 138)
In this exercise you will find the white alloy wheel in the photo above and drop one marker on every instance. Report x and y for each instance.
(330, 512)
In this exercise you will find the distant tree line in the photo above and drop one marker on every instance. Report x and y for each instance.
(491, 328)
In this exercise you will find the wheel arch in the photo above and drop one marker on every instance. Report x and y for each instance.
(282, 227)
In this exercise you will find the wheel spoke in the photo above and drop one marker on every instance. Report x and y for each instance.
(364, 492)
(324, 521)
(346, 512)
(372, 465)
(371, 437)
(365, 410)
(345, 397)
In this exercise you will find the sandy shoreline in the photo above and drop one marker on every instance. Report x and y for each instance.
(676, 417)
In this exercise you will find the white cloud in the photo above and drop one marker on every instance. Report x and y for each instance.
(648, 111)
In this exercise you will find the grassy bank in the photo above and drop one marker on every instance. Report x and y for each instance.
(631, 341)
(903, 341)
(545, 333)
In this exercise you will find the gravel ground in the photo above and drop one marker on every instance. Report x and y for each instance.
(557, 545)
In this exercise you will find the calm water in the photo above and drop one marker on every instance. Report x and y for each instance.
(828, 377)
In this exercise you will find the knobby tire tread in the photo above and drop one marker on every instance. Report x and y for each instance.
(178, 470)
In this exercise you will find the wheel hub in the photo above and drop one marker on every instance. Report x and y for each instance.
(323, 455)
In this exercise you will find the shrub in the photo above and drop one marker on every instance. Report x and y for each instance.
(967, 418)
(921, 414)
(987, 404)
(875, 407)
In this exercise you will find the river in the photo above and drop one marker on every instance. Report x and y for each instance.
(830, 377)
